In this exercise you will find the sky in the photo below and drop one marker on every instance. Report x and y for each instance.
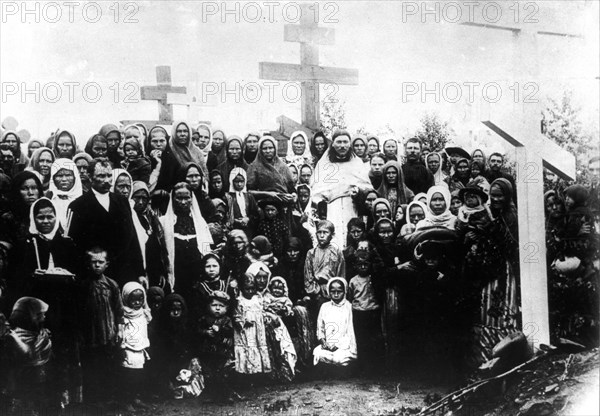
(86, 68)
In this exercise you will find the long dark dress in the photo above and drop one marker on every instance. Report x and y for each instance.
(187, 258)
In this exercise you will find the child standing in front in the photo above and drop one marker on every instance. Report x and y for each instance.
(101, 312)
(322, 263)
(134, 339)
(366, 312)
(249, 337)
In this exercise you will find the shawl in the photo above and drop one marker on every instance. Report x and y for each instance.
(335, 180)
(313, 150)
(221, 154)
(212, 193)
(206, 150)
(413, 203)
(378, 144)
(136, 145)
(250, 156)
(508, 213)
(445, 219)
(38, 340)
(239, 195)
(344, 286)
(90, 143)
(281, 280)
(404, 195)
(83, 155)
(256, 267)
(62, 199)
(140, 231)
(203, 236)
(578, 193)
(107, 129)
(272, 176)
(227, 165)
(33, 229)
(438, 176)
(116, 173)
(129, 312)
(188, 152)
(73, 142)
(30, 143)
(293, 158)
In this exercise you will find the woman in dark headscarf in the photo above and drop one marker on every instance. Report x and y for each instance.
(41, 161)
(65, 145)
(373, 145)
(192, 174)
(318, 145)
(251, 146)
(268, 175)
(12, 139)
(359, 147)
(216, 185)
(461, 176)
(97, 146)
(33, 145)
(26, 188)
(392, 186)
(219, 145)
(179, 152)
(234, 159)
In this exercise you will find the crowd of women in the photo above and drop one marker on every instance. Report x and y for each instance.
(165, 262)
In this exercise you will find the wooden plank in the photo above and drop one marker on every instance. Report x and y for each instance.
(313, 73)
(554, 157)
(160, 92)
(316, 35)
(163, 75)
(187, 100)
(287, 126)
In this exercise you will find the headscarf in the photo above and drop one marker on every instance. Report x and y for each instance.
(147, 147)
(90, 143)
(25, 309)
(68, 134)
(363, 139)
(107, 129)
(129, 312)
(32, 141)
(286, 292)
(188, 152)
(239, 195)
(446, 218)
(203, 236)
(257, 267)
(464, 212)
(344, 286)
(508, 213)
(381, 201)
(116, 173)
(291, 157)
(438, 176)
(269, 176)
(82, 155)
(579, 194)
(16, 200)
(313, 150)
(38, 339)
(248, 156)
(136, 145)
(208, 147)
(419, 196)
(155, 290)
(230, 164)
(263, 245)
(391, 139)
(62, 199)
(412, 204)
(20, 157)
(221, 154)
(404, 195)
(33, 229)
(140, 142)
(140, 231)
(34, 163)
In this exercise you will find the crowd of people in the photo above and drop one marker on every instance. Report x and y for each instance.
(166, 263)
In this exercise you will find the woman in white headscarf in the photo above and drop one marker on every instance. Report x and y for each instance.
(243, 209)
(298, 150)
(438, 209)
(65, 187)
(434, 162)
(187, 237)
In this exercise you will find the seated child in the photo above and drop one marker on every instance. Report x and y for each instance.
(29, 348)
(366, 311)
(134, 339)
(215, 330)
(249, 336)
(335, 329)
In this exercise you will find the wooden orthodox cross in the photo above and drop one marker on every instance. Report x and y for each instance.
(533, 151)
(309, 73)
(159, 93)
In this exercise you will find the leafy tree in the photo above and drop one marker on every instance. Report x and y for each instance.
(333, 116)
(562, 124)
(433, 132)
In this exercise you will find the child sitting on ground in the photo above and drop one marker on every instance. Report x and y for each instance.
(335, 329)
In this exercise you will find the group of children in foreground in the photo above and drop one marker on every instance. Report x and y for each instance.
(134, 342)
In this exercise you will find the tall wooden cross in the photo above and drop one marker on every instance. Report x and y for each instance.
(533, 151)
(309, 73)
(159, 93)
(193, 100)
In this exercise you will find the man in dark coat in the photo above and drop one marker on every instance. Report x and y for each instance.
(416, 175)
(102, 218)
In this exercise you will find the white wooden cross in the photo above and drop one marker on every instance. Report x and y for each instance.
(309, 73)
(533, 151)
(159, 93)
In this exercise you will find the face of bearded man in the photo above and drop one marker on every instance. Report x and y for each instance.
(341, 149)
